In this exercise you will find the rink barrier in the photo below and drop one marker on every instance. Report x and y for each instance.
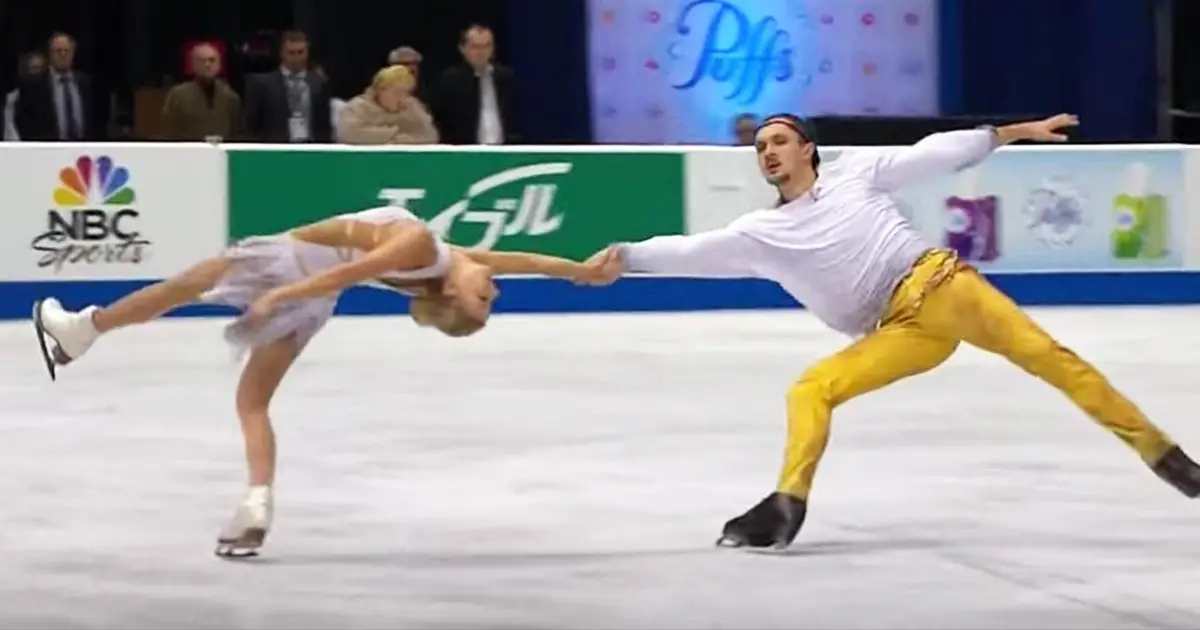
(658, 294)
(182, 206)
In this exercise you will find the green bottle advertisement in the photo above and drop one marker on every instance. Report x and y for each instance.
(1141, 229)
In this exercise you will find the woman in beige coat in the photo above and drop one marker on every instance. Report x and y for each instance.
(387, 113)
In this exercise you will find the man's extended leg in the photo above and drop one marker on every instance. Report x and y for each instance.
(892, 353)
(882, 358)
(969, 307)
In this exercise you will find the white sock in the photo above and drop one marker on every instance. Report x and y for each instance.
(89, 324)
(258, 496)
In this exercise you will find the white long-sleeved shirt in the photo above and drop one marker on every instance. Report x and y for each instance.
(841, 248)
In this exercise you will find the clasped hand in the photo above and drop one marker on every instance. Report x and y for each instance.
(604, 267)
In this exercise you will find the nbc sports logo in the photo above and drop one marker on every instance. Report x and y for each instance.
(93, 219)
(98, 180)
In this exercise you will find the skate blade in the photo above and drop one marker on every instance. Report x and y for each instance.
(47, 356)
(234, 552)
(731, 542)
(247, 546)
(737, 542)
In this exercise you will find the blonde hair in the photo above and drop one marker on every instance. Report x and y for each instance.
(390, 76)
(443, 315)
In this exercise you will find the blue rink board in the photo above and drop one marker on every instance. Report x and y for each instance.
(537, 295)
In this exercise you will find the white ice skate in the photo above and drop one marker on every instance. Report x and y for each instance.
(71, 333)
(247, 531)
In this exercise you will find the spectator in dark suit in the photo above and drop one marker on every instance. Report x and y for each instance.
(59, 104)
(472, 101)
(289, 104)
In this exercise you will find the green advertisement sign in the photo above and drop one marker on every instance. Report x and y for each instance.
(565, 204)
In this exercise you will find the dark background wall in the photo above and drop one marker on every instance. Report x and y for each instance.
(1092, 57)
(999, 57)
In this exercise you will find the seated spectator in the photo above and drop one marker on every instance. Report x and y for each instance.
(387, 113)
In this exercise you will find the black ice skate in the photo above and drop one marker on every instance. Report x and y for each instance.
(774, 522)
(1177, 469)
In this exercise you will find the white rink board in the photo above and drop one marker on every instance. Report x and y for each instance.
(145, 211)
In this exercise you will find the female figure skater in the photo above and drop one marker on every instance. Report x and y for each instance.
(287, 286)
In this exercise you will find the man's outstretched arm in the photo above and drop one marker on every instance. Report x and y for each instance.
(723, 253)
(951, 151)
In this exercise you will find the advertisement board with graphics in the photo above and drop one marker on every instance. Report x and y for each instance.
(680, 71)
(1060, 209)
(567, 204)
(1100, 225)
(109, 211)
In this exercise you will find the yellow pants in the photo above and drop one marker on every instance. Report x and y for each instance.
(940, 304)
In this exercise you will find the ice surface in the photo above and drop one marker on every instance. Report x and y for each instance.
(561, 472)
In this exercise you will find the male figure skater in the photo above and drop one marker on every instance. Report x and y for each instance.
(837, 242)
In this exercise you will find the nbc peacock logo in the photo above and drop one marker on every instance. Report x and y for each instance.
(93, 219)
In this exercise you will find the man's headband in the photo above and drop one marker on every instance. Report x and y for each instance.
(802, 127)
(795, 123)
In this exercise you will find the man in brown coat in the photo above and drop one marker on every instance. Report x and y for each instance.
(205, 106)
